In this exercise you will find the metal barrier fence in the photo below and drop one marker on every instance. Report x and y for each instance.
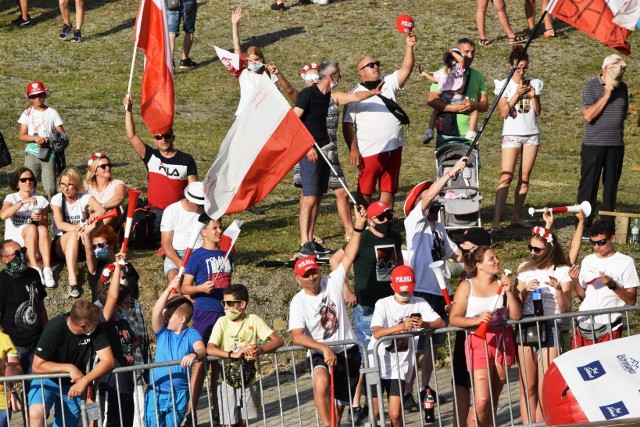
(283, 393)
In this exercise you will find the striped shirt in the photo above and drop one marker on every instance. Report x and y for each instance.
(608, 128)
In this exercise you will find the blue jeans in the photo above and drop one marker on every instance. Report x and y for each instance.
(25, 354)
(362, 315)
(188, 11)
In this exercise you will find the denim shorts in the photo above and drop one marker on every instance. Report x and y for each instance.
(362, 315)
(188, 11)
(169, 265)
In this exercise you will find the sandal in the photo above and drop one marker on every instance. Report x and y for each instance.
(517, 39)
(549, 33)
(485, 42)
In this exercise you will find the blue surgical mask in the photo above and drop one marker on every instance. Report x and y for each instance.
(255, 67)
(102, 254)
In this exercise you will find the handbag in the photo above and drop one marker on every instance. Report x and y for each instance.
(598, 331)
(530, 334)
(391, 105)
(240, 373)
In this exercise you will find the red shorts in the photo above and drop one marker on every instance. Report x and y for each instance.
(382, 168)
(579, 341)
(501, 349)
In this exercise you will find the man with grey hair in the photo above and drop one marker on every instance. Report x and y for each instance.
(312, 106)
(605, 101)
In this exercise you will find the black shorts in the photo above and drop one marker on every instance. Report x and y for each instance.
(315, 176)
(390, 387)
(345, 380)
(461, 375)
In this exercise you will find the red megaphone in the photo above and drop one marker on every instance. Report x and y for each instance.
(111, 213)
(133, 201)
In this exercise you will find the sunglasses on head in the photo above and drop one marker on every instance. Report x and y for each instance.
(230, 302)
(100, 245)
(371, 65)
(599, 242)
(163, 136)
(104, 166)
(30, 179)
(535, 249)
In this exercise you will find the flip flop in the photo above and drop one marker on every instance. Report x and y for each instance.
(517, 39)
(485, 42)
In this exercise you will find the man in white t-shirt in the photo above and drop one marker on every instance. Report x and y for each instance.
(318, 317)
(176, 226)
(374, 135)
(607, 279)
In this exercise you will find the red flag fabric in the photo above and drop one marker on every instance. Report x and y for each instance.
(594, 18)
(152, 36)
(265, 142)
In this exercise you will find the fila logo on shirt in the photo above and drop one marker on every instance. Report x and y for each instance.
(169, 172)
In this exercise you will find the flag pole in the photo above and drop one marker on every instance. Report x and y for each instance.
(474, 144)
(135, 47)
(353, 200)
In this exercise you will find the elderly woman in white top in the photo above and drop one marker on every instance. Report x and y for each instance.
(26, 219)
(99, 182)
(74, 215)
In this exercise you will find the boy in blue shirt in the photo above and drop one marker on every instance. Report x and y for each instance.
(175, 341)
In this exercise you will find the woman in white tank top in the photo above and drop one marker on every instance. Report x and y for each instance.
(473, 305)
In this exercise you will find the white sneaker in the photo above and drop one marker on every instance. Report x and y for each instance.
(428, 136)
(49, 281)
(470, 135)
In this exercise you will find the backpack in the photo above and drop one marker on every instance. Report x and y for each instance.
(143, 233)
(5, 155)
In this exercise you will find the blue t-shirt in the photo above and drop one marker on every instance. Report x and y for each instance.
(172, 346)
(204, 265)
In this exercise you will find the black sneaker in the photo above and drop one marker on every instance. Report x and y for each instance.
(77, 37)
(64, 33)
(319, 249)
(22, 22)
(307, 249)
(188, 422)
(363, 414)
(187, 63)
(410, 403)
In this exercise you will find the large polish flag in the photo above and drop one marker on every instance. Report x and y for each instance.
(152, 36)
(594, 18)
(265, 142)
(626, 13)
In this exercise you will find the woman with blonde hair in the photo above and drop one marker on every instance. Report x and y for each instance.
(74, 214)
(99, 182)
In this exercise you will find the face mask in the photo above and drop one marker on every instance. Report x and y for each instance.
(233, 313)
(102, 253)
(255, 67)
(17, 266)
(382, 228)
(403, 298)
(90, 332)
(334, 84)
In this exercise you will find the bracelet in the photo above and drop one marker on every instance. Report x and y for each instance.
(194, 353)
(358, 230)
(613, 286)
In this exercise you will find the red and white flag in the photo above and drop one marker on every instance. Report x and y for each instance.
(594, 18)
(626, 13)
(152, 36)
(264, 143)
(233, 62)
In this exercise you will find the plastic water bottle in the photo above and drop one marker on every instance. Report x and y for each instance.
(429, 407)
(635, 232)
(536, 297)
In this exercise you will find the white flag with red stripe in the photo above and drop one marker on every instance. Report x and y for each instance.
(152, 36)
(265, 142)
(232, 61)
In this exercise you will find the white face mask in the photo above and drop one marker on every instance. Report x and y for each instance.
(255, 67)
(233, 313)
(403, 298)
(334, 84)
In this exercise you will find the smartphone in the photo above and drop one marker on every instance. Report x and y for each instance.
(416, 315)
(526, 82)
(420, 68)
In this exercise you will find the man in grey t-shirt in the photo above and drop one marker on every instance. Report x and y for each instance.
(605, 100)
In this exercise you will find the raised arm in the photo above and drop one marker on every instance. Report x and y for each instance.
(114, 289)
(576, 240)
(157, 320)
(135, 141)
(235, 19)
(434, 191)
(351, 250)
(407, 62)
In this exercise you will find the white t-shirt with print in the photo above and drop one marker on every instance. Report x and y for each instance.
(14, 225)
(74, 213)
(180, 221)
(377, 129)
(41, 123)
(420, 240)
(324, 316)
(549, 300)
(620, 268)
(387, 313)
(249, 82)
(525, 122)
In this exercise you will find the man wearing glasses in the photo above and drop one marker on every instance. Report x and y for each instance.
(607, 279)
(374, 135)
(169, 171)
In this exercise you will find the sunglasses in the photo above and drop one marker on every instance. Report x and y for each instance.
(163, 136)
(71, 186)
(230, 302)
(599, 242)
(100, 245)
(535, 249)
(23, 251)
(30, 179)
(104, 166)
(371, 65)
(385, 216)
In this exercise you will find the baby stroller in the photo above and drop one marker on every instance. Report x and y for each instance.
(460, 198)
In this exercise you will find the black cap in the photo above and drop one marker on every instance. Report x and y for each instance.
(478, 236)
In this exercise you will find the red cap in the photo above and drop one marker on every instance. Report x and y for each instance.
(305, 264)
(377, 208)
(403, 279)
(414, 194)
(404, 24)
(36, 87)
